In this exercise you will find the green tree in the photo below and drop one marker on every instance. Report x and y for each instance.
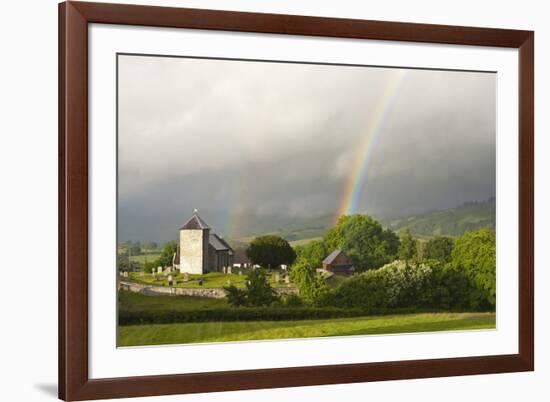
(475, 254)
(313, 252)
(150, 266)
(334, 238)
(392, 243)
(270, 251)
(135, 248)
(167, 254)
(408, 247)
(124, 264)
(439, 248)
(364, 240)
(312, 286)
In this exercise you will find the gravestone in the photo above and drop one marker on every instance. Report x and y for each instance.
(229, 270)
(159, 270)
(126, 274)
(277, 277)
(287, 279)
(224, 270)
(170, 281)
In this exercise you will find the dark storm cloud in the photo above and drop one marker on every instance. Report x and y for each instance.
(270, 139)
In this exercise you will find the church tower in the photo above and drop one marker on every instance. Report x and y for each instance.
(193, 245)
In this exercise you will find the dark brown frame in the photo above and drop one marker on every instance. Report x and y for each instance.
(74, 383)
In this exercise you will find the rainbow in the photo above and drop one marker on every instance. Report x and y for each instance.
(355, 182)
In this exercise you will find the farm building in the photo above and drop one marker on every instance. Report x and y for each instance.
(338, 263)
(199, 250)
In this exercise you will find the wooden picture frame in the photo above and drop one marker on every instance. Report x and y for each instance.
(74, 381)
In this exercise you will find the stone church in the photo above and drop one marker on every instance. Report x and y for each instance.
(199, 250)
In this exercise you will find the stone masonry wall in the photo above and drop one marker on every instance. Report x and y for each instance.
(214, 293)
(191, 251)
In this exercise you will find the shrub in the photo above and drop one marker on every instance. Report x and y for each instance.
(149, 266)
(235, 296)
(292, 301)
(450, 289)
(431, 285)
(258, 291)
(312, 286)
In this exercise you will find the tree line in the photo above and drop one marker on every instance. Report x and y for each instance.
(393, 271)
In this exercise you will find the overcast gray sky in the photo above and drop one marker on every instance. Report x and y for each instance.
(241, 140)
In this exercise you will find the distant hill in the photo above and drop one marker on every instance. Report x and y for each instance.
(450, 222)
(291, 229)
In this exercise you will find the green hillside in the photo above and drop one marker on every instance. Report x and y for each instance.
(291, 229)
(450, 222)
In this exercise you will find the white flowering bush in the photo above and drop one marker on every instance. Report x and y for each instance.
(397, 284)
(404, 283)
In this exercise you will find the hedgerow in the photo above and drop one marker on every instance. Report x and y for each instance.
(249, 314)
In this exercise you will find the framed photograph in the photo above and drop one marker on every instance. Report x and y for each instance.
(259, 200)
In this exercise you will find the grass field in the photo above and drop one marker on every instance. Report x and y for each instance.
(303, 242)
(138, 335)
(145, 257)
(293, 243)
(210, 280)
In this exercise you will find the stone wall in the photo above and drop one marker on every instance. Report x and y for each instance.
(214, 293)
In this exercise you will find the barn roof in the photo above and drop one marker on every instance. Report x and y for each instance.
(332, 256)
(195, 222)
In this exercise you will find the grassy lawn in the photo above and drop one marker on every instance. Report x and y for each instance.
(161, 334)
(210, 280)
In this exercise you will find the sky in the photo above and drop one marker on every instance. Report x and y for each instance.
(246, 141)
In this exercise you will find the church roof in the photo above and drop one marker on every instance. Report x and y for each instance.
(226, 244)
(195, 222)
(332, 256)
(218, 243)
